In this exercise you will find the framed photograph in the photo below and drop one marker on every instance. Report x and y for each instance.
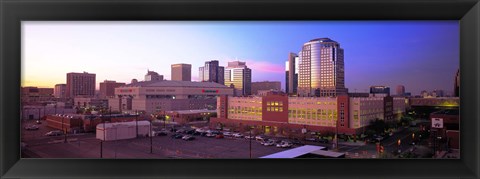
(305, 89)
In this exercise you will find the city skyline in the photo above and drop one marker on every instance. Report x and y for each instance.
(154, 43)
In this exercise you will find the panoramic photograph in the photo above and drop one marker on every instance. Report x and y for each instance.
(240, 89)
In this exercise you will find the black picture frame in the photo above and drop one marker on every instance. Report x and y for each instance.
(14, 11)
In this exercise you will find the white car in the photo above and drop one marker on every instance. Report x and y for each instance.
(269, 143)
(32, 127)
(54, 133)
(227, 134)
(284, 145)
(249, 137)
(260, 138)
(238, 135)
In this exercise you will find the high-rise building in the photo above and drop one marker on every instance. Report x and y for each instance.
(60, 91)
(382, 90)
(153, 76)
(321, 69)
(80, 84)
(107, 88)
(212, 72)
(400, 90)
(181, 72)
(238, 74)
(266, 85)
(456, 88)
(291, 73)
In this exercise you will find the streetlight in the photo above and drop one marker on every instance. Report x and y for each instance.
(398, 143)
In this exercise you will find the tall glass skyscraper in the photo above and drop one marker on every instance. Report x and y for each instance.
(321, 69)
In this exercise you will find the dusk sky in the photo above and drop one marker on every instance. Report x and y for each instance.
(421, 55)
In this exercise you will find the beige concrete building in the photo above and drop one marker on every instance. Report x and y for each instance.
(238, 74)
(156, 96)
(181, 72)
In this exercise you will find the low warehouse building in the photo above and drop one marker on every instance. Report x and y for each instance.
(122, 130)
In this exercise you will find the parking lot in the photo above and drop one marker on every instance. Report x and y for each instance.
(87, 146)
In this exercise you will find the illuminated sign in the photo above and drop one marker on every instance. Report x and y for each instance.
(209, 91)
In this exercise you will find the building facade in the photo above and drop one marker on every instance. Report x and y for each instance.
(80, 84)
(153, 76)
(291, 74)
(265, 85)
(35, 95)
(212, 72)
(156, 96)
(107, 88)
(400, 90)
(181, 72)
(60, 91)
(342, 114)
(321, 69)
(380, 90)
(238, 74)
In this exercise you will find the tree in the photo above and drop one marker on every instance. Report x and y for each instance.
(378, 126)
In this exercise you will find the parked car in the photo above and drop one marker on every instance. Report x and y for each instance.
(219, 136)
(297, 142)
(284, 145)
(159, 133)
(31, 128)
(325, 141)
(259, 138)
(180, 131)
(177, 136)
(227, 134)
(210, 135)
(188, 137)
(38, 122)
(238, 135)
(190, 131)
(249, 137)
(311, 139)
(54, 133)
(269, 143)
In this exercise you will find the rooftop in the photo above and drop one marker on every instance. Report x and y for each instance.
(322, 40)
(296, 152)
(448, 112)
(194, 111)
(169, 83)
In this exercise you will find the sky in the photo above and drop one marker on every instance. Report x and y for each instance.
(421, 55)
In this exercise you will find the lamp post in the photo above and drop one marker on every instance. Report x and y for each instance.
(136, 123)
(250, 138)
(398, 144)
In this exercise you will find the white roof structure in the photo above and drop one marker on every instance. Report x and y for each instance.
(328, 153)
(116, 124)
(295, 152)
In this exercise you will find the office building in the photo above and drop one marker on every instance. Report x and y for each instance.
(80, 84)
(181, 72)
(153, 76)
(291, 73)
(238, 74)
(265, 85)
(107, 88)
(277, 111)
(212, 72)
(155, 96)
(60, 91)
(321, 69)
(380, 90)
(35, 95)
(400, 90)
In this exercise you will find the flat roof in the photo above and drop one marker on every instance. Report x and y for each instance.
(115, 124)
(327, 153)
(295, 152)
(448, 112)
(169, 83)
(194, 111)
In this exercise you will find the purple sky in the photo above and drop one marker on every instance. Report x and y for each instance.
(421, 55)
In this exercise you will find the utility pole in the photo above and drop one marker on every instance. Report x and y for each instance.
(136, 122)
(250, 138)
(151, 138)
